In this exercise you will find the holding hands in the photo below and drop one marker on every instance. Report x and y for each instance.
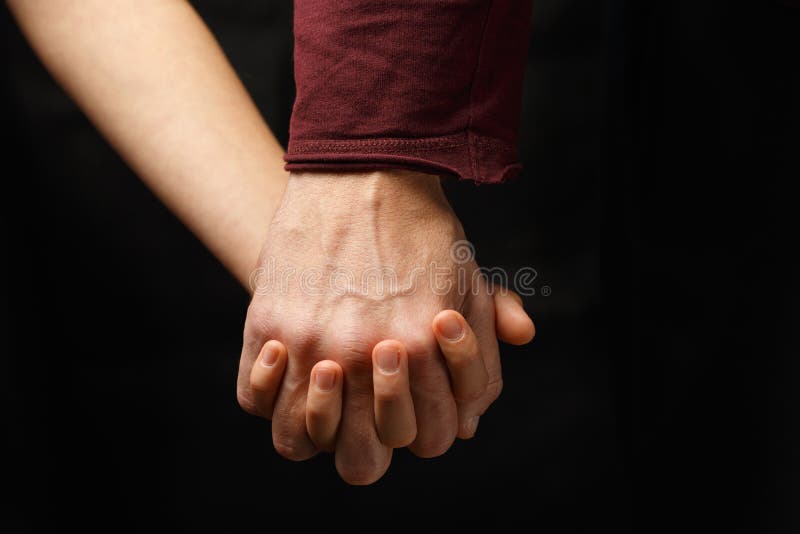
(368, 330)
(341, 359)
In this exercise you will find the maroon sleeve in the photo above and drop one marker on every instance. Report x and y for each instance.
(432, 85)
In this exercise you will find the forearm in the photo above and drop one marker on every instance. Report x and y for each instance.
(152, 78)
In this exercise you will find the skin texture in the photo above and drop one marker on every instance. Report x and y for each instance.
(394, 409)
(324, 404)
(151, 77)
(357, 224)
(156, 84)
(395, 419)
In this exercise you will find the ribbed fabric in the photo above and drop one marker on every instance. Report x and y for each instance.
(431, 85)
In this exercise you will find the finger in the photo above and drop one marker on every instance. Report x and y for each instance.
(361, 458)
(289, 434)
(394, 409)
(252, 343)
(266, 375)
(481, 317)
(434, 405)
(460, 348)
(514, 326)
(324, 404)
(468, 373)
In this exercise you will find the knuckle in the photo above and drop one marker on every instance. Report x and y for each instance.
(353, 354)
(290, 438)
(258, 322)
(494, 389)
(431, 449)
(435, 440)
(421, 343)
(401, 440)
(349, 342)
(305, 339)
(359, 385)
(362, 462)
(389, 397)
(429, 376)
(260, 387)
(246, 402)
(466, 395)
(290, 449)
(316, 414)
(285, 449)
(462, 360)
(360, 475)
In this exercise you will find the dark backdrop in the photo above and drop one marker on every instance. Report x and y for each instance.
(661, 149)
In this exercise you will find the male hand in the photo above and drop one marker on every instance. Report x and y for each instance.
(350, 260)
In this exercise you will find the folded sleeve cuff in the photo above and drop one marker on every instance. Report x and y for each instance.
(466, 156)
(426, 85)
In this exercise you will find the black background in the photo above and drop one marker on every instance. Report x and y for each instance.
(661, 146)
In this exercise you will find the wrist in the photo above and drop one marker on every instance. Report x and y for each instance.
(376, 191)
(365, 218)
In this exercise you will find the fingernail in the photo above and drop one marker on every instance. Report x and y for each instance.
(472, 425)
(325, 378)
(388, 359)
(270, 356)
(450, 327)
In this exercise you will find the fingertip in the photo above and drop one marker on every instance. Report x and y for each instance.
(293, 450)
(525, 330)
(389, 357)
(515, 296)
(327, 375)
(265, 377)
(272, 353)
(449, 326)
(324, 404)
(514, 325)
(328, 365)
(367, 470)
(389, 344)
(530, 333)
(269, 366)
(468, 427)
(432, 450)
(395, 419)
(516, 331)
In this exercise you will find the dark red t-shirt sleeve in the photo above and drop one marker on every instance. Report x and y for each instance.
(432, 85)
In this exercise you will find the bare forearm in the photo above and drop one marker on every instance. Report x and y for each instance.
(151, 77)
